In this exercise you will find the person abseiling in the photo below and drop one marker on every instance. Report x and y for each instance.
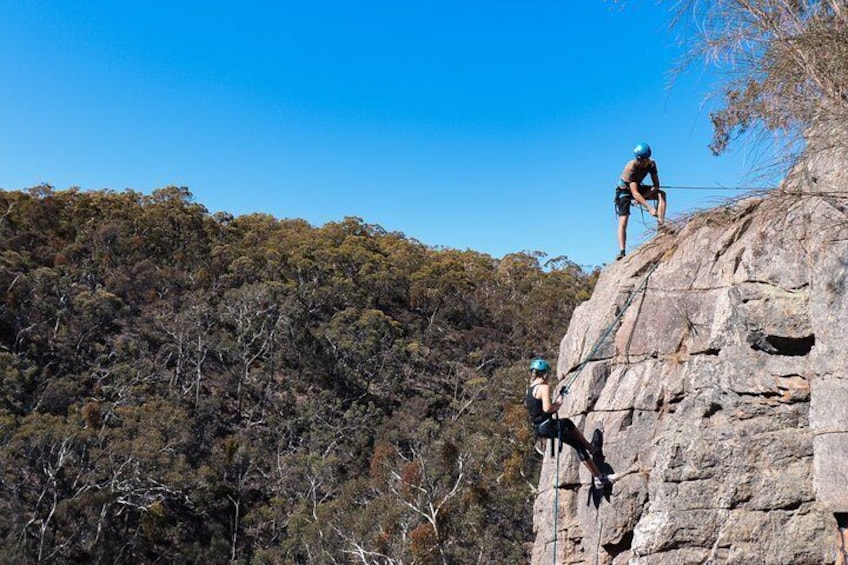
(630, 188)
(542, 411)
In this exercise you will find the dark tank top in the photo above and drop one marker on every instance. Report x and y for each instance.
(534, 407)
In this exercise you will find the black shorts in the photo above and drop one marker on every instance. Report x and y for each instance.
(564, 429)
(623, 199)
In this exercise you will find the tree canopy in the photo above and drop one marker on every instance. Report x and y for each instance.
(179, 386)
(784, 67)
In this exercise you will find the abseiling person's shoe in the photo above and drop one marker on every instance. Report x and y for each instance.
(602, 482)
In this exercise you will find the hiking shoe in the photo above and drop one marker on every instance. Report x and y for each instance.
(597, 447)
(620, 255)
(603, 482)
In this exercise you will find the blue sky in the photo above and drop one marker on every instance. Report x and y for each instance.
(498, 126)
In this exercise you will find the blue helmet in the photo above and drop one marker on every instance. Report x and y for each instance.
(540, 365)
(642, 151)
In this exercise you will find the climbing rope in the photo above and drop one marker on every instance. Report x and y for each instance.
(573, 378)
(570, 380)
(678, 187)
(683, 187)
(556, 499)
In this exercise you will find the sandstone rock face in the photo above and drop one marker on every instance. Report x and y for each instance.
(722, 392)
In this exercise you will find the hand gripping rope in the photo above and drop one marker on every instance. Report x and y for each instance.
(570, 381)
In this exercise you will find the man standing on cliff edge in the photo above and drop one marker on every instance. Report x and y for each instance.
(630, 188)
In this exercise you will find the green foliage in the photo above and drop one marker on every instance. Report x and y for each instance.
(183, 387)
(784, 68)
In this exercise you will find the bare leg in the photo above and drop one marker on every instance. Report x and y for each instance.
(622, 232)
(660, 207)
(658, 196)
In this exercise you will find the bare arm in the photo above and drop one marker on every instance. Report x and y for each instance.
(543, 393)
(634, 192)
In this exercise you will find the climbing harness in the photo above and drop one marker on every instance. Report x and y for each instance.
(570, 381)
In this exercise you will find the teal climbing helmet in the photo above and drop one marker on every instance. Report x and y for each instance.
(540, 365)
(642, 151)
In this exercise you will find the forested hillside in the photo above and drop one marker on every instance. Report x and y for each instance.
(182, 387)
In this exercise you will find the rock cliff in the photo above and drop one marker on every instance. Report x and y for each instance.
(722, 390)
